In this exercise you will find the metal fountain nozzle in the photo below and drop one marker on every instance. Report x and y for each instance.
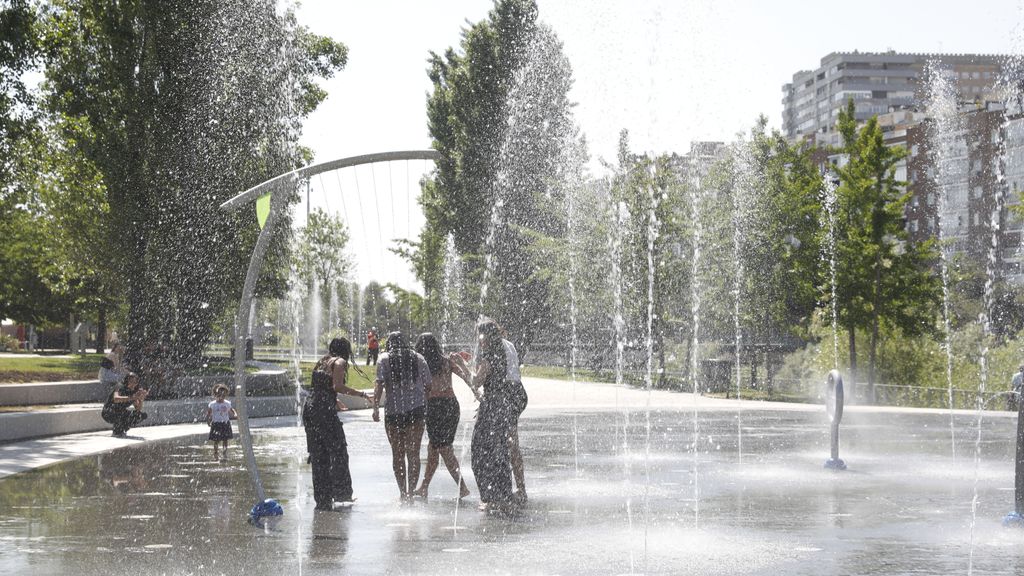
(834, 398)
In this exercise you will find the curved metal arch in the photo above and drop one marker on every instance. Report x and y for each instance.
(307, 171)
(278, 187)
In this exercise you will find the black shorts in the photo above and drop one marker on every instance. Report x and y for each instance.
(442, 421)
(405, 419)
(519, 398)
(220, 431)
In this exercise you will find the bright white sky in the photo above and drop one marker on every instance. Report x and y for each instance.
(671, 72)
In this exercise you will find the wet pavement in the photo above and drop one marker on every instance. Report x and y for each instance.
(606, 497)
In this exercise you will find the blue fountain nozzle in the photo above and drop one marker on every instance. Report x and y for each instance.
(268, 507)
(1013, 520)
(835, 464)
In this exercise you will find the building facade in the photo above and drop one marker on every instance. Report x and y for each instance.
(878, 83)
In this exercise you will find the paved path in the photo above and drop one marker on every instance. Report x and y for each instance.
(545, 395)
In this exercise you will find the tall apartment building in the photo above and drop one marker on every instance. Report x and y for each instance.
(878, 82)
(989, 144)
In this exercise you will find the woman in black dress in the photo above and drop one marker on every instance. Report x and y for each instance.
(325, 436)
(490, 448)
(442, 413)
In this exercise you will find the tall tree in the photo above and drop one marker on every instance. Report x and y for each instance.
(778, 186)
(884, 280)
(321, 249)
(499, 113)
(186, 104)
(27, 284)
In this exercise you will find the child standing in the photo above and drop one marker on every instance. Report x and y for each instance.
(219, 414)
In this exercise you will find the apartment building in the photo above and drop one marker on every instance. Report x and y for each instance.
(878, 83)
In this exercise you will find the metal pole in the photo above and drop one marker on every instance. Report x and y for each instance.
(1016, 518)
(278, 201)
(1019, 468)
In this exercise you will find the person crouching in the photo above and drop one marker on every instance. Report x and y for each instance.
(123, 407)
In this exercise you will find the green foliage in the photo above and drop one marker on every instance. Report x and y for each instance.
(175, 107)
(780, 245)
(9, 343)
(321, 249)
(500, 116)
(884, 280)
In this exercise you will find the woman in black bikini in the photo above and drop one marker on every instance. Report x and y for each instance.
(442, 413)
(325, 436)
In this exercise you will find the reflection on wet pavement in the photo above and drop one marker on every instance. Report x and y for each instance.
(614, 507)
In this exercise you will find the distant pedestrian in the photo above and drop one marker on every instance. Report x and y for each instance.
(123, 408)
(1015, 388)
(372, 347)
(219, 414)
(112, 370)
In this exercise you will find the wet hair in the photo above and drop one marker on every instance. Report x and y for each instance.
(132, 376)
(401, 359)
(430, 349)
(341, 348)
(491, 332)
(220, 388)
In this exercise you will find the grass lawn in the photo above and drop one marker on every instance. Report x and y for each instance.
(560, 373)
(354, 380)
(16, 370)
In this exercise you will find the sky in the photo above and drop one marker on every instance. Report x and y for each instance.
(671, 72)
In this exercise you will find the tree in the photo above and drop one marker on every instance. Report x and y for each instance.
(321, 250)
(778, 188)
(883, 278)
(27, 284)
(500, 116)
(186, 103)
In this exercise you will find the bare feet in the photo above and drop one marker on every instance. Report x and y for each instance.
(463, 491)
(519, 497)
(421, 492)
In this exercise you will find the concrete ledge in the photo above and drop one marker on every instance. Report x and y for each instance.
(264, 383)
(76, 418)
(41, 393)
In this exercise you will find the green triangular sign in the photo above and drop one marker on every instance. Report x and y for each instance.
(263, 209)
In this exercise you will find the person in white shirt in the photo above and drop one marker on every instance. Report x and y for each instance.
(1015, 388)
(516, 380)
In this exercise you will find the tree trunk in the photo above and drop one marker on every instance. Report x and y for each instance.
(853, 362)
(687, 372)
(101, 329)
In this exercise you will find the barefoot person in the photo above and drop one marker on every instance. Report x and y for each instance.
(218, 415)
(325, 435)
(403, 376)
(442, 413)
(493, 430)
(519, 401)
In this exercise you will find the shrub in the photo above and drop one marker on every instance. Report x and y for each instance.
(9, 343)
